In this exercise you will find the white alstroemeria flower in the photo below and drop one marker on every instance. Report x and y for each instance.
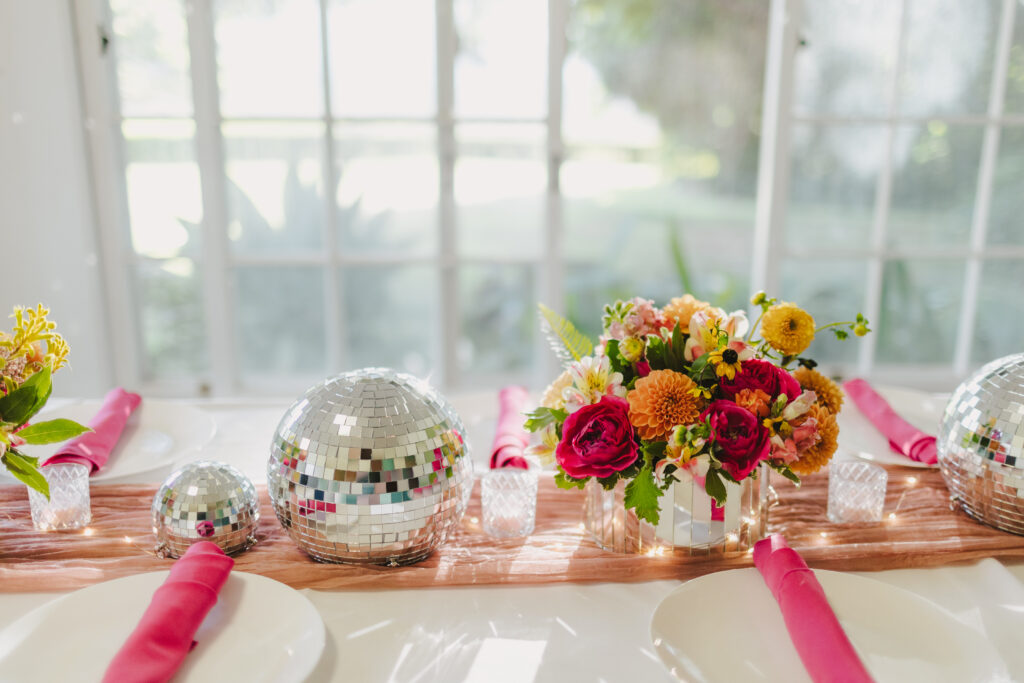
(592, 378)
(801, 405)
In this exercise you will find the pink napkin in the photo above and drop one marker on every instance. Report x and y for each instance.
(510, 439)
(159, 644)
(904, 438)
(92, 449)
(819, 639)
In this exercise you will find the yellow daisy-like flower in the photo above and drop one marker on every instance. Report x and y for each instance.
(726, 362)
(829, 396)
(681, 309)
(818, 455)
(552, 397)
(660, 401)
(788, 328)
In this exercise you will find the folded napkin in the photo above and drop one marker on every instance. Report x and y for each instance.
(819, 639)
(904, 438)
(92, 449)
(510, 439)
(163, 637)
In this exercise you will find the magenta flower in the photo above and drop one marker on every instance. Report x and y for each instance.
(597, 440)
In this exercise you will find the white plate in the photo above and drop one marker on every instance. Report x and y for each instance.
(259, 630)
(858, 436)
(728, 627)
(155, 436)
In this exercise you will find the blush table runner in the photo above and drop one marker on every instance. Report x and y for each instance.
(923, 532)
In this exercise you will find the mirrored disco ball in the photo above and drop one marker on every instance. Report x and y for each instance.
(981, 444)
(205, 501)
(370, 466)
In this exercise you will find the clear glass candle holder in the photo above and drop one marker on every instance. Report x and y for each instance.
(68, 506)
(856, 492)
(509, 500)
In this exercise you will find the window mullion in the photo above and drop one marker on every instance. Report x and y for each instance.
(983, 194)
(334, 297)
(451, 322)
(210, 156)
(883, 204)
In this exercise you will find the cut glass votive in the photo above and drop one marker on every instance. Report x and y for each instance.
(856, 492)
(68, 506)
(509, 500)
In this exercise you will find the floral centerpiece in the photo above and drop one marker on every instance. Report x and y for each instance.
(668, 388)
(28, 358)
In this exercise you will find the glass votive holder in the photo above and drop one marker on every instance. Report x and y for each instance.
(509, 499)
(856, 492)
(68, 506)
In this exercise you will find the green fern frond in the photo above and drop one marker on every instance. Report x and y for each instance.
(568, 343)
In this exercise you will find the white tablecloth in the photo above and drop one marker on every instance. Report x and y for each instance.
(543, 633)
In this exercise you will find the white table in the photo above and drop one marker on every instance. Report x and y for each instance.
(557, 632)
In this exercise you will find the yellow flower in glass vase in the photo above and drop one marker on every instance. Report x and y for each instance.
(818, 455)
(828, 393)
(726, 362)
(681, 309)
(788, 328)
(660, 401)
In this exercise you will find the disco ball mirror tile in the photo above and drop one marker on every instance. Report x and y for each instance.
(205, 501)
(371, 466)
(981, 444)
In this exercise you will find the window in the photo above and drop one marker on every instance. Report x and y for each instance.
(292, 188)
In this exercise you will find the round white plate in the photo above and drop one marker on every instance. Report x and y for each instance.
(155, 436)
(728, 627)
(859, 436)
(259, 630)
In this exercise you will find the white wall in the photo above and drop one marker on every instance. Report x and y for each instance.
(48, 243)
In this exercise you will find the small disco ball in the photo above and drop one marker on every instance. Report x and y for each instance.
(981, 444)
(370, 467)
(205, 501)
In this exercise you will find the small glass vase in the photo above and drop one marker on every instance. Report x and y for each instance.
(68, 505)
(688, 522)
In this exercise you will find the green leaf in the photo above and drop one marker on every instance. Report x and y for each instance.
(564, 481)
(788, 474)
(542, 417)
(714, 486)
(678, 343)
(653, 451)
(16, 407)
(568, 343)
(642, 496)
(26, 470)
(656, 353)
(52, 431)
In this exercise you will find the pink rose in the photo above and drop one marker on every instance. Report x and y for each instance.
(742, 440)
(597, 440)
(760, 374)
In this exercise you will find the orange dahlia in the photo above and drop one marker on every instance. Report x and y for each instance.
(818, 455)
(681, 309)
(660, 401)
(829, 395)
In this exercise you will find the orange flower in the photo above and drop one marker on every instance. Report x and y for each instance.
(754, 400)
(660, 401)
(828, 393)
(818, 455)
(681, 309)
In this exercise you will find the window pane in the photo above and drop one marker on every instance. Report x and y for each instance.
(1015, 75)
(165, 204)
(151, 42)
(832, 185)
(949, 56)
(275, 186)
(500, 189)
(999, 328)
(388, 188)
(920, 311)
(280, 320)
(498, 310)
(391, 318)
(382, 56)
(845, 60)
(171, 318)
(269, 61)
(501, 64)
(935, 173)
(831, 290)
(1004, 226)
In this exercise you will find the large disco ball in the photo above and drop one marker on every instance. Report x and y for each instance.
(205, 501)
(370, 466)
(981, 444)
